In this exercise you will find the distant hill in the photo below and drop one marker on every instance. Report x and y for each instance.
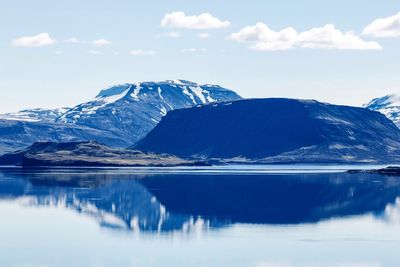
(276, 131)
(87, 154)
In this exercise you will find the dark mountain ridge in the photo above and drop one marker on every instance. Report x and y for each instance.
(276, 130)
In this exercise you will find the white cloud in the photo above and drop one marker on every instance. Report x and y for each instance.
(203, 35)
(179, 19)
(384, 27)
(95, 52)
(42, 39)
(101, 42)
(330, 37)
(140, 52)
(263, 38)
(72, 40)
(193, 50)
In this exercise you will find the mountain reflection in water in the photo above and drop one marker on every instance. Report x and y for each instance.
(192, 201)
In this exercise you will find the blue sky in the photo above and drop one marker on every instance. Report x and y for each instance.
(269, 60)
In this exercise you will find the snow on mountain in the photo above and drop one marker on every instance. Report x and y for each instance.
(34, 115)
(132, 110)
(388, 105)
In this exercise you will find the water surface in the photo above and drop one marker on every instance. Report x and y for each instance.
(258, 216)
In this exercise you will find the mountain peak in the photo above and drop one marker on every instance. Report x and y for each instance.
(197, 94)
(389, 105)
(123, 89)
(133, 109)
(391, 100)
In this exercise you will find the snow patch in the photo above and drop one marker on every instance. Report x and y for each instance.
(113, 98)
(136, 91)
(16, 117)
(210, 99)
(113, 90)
(162, 98)
(178, 82)
(186, 92)
(199, 93)
(163, 111)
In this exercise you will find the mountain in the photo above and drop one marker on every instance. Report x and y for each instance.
(132, 110)
(276, 130)
(87, 154)
(15, 135)
(388, 105)
(119, 116)
(35, 115)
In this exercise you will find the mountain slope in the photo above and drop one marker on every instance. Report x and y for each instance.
(388, 105)
(276, 130)
(132, 110)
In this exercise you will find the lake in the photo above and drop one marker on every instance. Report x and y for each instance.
(255, 216)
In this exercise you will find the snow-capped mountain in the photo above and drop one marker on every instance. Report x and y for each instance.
(132, 110)
(34, 115)
(388, 105)
(118, 116)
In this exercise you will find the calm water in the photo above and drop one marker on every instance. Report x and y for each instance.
(231, 216)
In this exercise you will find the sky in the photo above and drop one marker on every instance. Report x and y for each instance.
(62, 53)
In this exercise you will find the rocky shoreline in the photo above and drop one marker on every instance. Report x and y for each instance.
(391, 170)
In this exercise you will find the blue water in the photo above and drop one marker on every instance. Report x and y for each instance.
(259, 216)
